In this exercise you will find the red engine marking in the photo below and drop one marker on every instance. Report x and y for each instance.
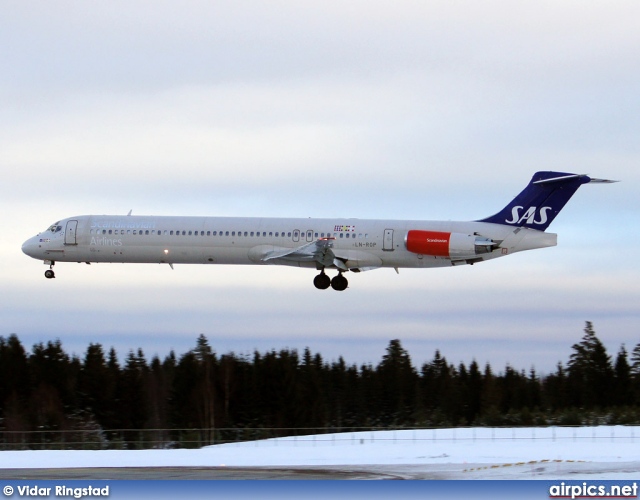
(428, 242)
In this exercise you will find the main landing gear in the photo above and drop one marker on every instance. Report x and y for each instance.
(339, 282)
(49, 274)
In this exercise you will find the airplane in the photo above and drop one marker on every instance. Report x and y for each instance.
(345, 245)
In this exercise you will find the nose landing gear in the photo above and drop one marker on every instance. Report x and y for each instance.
(49, 274)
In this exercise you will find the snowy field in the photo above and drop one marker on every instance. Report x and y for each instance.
(604, 452)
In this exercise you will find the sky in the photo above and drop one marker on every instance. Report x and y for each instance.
(416, 110)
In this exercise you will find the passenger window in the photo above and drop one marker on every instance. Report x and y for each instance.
(341, 235)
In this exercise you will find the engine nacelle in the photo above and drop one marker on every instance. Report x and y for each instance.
(449, 245)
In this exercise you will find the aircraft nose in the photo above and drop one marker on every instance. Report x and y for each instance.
(30, 246)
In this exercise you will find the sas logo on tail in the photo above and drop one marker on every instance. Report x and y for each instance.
(529, 217)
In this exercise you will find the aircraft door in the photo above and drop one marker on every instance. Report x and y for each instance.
(309, 235)
(296, 235)
(70, 233)
(387, 242)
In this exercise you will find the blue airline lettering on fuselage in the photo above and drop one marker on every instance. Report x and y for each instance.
(102, 241)
(122, 225)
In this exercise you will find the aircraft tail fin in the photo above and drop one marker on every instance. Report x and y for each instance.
(541, 201)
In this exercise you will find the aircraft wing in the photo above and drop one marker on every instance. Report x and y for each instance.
(322, 252)
(319, 251)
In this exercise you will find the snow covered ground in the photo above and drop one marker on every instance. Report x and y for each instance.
(604, 452)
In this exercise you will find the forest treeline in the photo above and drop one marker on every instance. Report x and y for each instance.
(47, 389)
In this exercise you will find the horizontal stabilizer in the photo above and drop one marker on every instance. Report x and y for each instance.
(564, 178)
(602, 181)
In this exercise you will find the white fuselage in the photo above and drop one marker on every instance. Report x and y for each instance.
(360, 244)
(342, 244)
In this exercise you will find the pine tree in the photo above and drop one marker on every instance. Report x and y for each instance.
(471, 388)
(554, 389)
(14, 371)
(204, 392)
(590, 371)
(635, 374)
(133, 393)
(622, 379)
(635, 361)
(398, 382)
(53, 386)
(490, 397)
(94, 387)
(313, 410)
(14, 386)
(438, 394)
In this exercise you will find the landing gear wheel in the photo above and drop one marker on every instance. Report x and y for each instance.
(339, 283)
(49, 274)
(322, 281)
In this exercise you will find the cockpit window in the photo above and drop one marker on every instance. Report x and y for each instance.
(55, 227)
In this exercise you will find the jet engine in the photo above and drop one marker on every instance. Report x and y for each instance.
(449, 245)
